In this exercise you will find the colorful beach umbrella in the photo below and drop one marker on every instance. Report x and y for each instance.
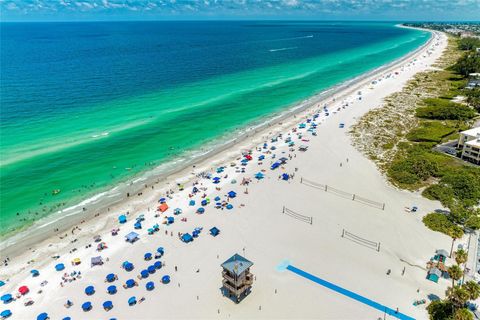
(5, 314)
(150, 286)
(107, 305)
(130, 283)
(165, 279)
(60, 267)
(23, 290)
(151, 269)
(132, 301)
(111, 277)
(87, 306)
(89, 290)
(43, 316)
(112, 289)
(6, 298)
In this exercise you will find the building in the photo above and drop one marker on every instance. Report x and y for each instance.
(237, 279)
(469, 144)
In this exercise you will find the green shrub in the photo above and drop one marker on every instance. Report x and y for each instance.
(430, 132)
(411, 170)
(439, 192)
(468, 43)
(449, 111)
(439, 222)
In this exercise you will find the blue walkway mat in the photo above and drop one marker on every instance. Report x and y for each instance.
(349, 294)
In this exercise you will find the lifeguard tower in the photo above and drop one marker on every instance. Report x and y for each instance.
(237, 279)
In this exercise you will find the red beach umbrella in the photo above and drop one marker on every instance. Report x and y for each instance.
(23, 290)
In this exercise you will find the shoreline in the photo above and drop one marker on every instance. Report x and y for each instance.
(160, 178)
(256, 227)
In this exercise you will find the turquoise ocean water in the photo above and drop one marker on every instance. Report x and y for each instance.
(87, 105)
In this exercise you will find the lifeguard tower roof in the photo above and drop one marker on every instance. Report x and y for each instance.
(237, 264)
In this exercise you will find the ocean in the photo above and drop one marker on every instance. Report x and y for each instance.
(85, 106)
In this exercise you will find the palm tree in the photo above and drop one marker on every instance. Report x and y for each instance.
(458, 296)
(461, 256)
(473, 289)
(462, 314)
(455, 273)
(455, 233)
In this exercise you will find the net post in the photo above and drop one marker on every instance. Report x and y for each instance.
(343, 233)
(383, 207)
(283, 211)
(353, 197)
(311, 220)
(301, 179)
(326, 187)
(378, 249)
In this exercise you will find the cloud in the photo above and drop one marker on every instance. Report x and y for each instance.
(243, 8)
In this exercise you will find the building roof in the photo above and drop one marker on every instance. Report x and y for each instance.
(237, 264)
(435, 271)
(474, 143)
(472, 132)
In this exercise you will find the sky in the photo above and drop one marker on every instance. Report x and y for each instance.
(100, 10)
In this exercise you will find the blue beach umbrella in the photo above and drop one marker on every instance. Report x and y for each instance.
(89, 290)
(170, 220)
(112, 289)
(162, 200)
(35, 273)
(285, 177)
(5, 314)
(144, 274)
(259, 176)
(110, 277)
(43, 316)
(137, 225)
(200, 210)
(6, 298)
(151, 269)
(232, 194)
(191, 203)
(2, 283)
(217, 198)
(132, 301)
(157, 264)
(128, 266)
(122, 218)
(150, 286)
(229, 206)
(130, 283)
(107, 305)
(67, 318)
(87, 306)
(161, 250)
(147, 256)
(165, 279)
(60, 267)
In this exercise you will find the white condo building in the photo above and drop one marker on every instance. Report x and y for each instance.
(469, 144)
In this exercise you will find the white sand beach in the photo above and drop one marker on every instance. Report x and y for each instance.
(256, 228)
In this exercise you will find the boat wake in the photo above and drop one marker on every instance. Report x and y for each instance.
(282, 49)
